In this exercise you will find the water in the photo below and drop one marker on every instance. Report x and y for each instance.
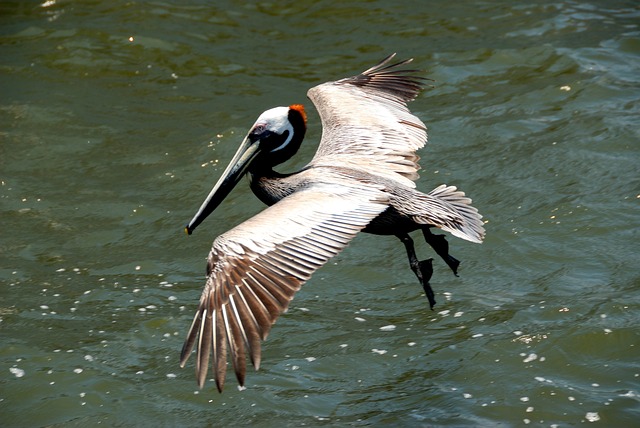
(116, 118)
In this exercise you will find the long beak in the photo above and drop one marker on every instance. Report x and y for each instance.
(230, 177)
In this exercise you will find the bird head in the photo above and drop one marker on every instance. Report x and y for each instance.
(278, 133)
(274, 138)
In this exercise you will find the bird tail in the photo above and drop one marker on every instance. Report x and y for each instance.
(450, 210)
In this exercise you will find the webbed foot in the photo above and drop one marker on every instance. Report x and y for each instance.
(426, 270)
(441, 247)
(423, 269)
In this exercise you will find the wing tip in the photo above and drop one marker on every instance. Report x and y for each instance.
(389, 77)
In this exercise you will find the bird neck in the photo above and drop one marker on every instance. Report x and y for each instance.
(269, 186)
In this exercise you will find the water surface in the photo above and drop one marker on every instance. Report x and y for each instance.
(116, 118)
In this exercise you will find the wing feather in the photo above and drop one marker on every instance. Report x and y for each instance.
(366, 122)
(256, 268)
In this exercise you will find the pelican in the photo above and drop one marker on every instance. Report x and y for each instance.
(360, 179)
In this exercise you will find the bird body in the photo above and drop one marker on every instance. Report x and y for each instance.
(361, 179)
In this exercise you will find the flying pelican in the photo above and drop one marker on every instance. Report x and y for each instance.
(360, 179)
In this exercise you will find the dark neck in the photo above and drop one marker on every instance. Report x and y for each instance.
(269, 186)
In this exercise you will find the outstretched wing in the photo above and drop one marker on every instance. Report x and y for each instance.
(366, 123)
(255, 269)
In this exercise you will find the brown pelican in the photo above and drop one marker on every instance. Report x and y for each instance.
(361, 179)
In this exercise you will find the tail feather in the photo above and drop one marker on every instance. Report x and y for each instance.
(450, 210)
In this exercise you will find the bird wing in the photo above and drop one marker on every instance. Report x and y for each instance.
(366, 123)
(255, 269)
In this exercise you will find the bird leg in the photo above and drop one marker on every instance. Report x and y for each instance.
(423, 269)
(441, 247)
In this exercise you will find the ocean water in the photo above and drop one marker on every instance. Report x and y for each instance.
(116, 118)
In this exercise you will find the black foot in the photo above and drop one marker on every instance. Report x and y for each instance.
(423, 269)
(441, 247)
(453, 263)
(426, 270)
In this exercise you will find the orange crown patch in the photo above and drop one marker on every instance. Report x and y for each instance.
(300, 109)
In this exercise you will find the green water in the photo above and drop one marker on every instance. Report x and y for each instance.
(116, 118)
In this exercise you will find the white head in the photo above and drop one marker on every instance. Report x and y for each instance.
(274, 138)
(274, 121)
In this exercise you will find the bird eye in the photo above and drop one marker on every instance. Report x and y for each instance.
(258, 132)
